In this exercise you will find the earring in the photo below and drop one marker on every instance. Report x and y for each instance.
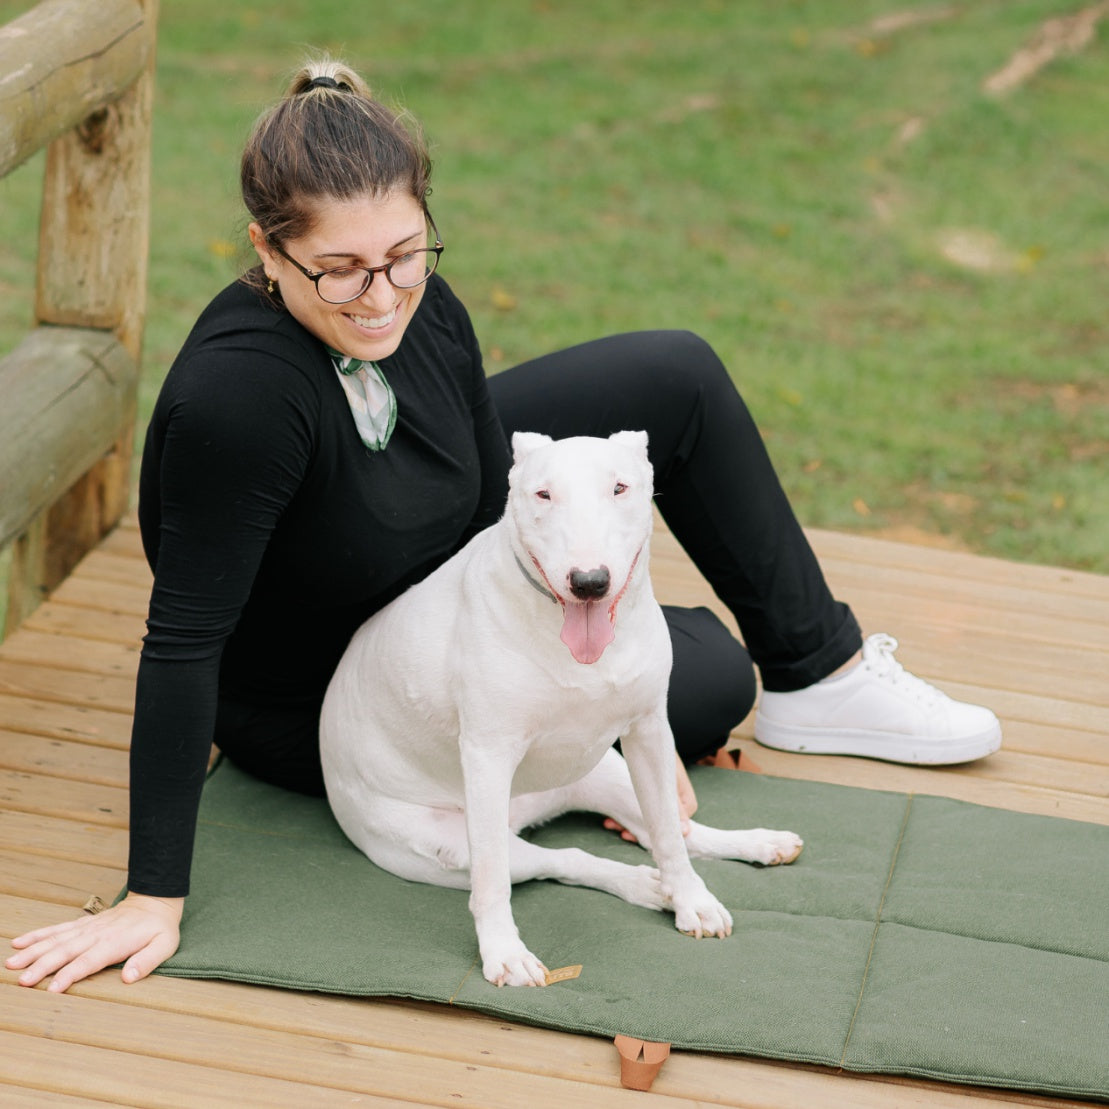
(270, 286)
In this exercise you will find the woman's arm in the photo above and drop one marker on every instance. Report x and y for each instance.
(231, 440)
(228, 448)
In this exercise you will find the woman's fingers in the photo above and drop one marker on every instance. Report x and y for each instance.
(77, 964)
(29, 939)
(151, 957)
(612, 826)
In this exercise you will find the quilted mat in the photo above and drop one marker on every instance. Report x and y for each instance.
(915, 935)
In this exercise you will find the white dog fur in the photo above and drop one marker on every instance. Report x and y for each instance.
(488, 697)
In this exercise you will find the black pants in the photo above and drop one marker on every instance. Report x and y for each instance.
(717, 490)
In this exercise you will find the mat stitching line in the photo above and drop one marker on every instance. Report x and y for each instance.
(465, 977)
(877, 925)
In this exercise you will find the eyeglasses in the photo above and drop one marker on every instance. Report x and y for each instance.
(340, 286)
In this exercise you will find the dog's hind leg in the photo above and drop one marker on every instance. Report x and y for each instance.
(762, 846)
(638, 885)
(434, 850)
(413, 841)
(609, 789)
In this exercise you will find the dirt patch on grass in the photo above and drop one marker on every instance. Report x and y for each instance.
(1066, 34)
(1068, 398)
(983, 251)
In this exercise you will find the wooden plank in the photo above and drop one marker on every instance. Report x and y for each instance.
(88, 802)
(101, 564)
(1064, 673)
(1071, 744)
(1082, 618)
(61, 721)
(71, 653)
(48, 683)
(23, 914)
(51, 837)
(872, 551)
(125, 1078)
(1055, 715)
(961, 783)
(123, 540)
(1087, 781)
(864, 564)
(82, 762)
(130, 598)
(333, 1063)
(44, 1099)
(61, 882)
(86, 623)
(989, 608)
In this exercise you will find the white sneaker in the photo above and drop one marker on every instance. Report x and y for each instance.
(877, 710)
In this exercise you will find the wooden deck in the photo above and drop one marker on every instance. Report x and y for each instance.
(1032, 642)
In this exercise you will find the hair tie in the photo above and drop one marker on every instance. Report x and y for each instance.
(326, 83)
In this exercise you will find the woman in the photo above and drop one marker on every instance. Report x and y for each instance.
(327, 436)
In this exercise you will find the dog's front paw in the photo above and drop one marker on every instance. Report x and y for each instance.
(520, 968)
(699, 914)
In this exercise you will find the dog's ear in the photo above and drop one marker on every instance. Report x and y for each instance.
(636, 440)
(524, 442)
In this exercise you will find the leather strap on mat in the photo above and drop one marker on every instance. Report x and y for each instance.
(640, 1061)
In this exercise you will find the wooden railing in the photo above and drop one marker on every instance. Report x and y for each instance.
(77, 78)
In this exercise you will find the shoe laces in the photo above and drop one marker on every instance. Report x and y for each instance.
(878, 658)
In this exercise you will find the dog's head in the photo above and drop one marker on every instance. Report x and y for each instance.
(580, 516)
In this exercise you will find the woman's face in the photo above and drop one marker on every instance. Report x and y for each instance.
(370, 231)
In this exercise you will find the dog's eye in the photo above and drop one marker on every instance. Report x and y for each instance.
(620, 488)
(544, 494)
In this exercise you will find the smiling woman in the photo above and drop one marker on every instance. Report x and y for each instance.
(351, 242)
(337, 188)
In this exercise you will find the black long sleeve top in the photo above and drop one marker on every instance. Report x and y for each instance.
(273, 533)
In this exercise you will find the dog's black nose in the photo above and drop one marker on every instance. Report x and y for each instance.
(587, 585)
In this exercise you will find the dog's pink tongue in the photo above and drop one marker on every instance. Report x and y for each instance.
(586, 629)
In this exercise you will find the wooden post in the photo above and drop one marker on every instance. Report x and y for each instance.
(94, 231)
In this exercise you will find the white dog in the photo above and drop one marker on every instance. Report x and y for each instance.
(488, 697)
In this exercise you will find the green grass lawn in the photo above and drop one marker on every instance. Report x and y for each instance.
(906, 276)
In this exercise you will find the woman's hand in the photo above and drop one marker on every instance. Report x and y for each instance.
(141, 932)
(687, 804)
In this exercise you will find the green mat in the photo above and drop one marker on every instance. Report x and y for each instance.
(915, 935)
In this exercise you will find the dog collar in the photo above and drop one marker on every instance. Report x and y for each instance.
(537, 586)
